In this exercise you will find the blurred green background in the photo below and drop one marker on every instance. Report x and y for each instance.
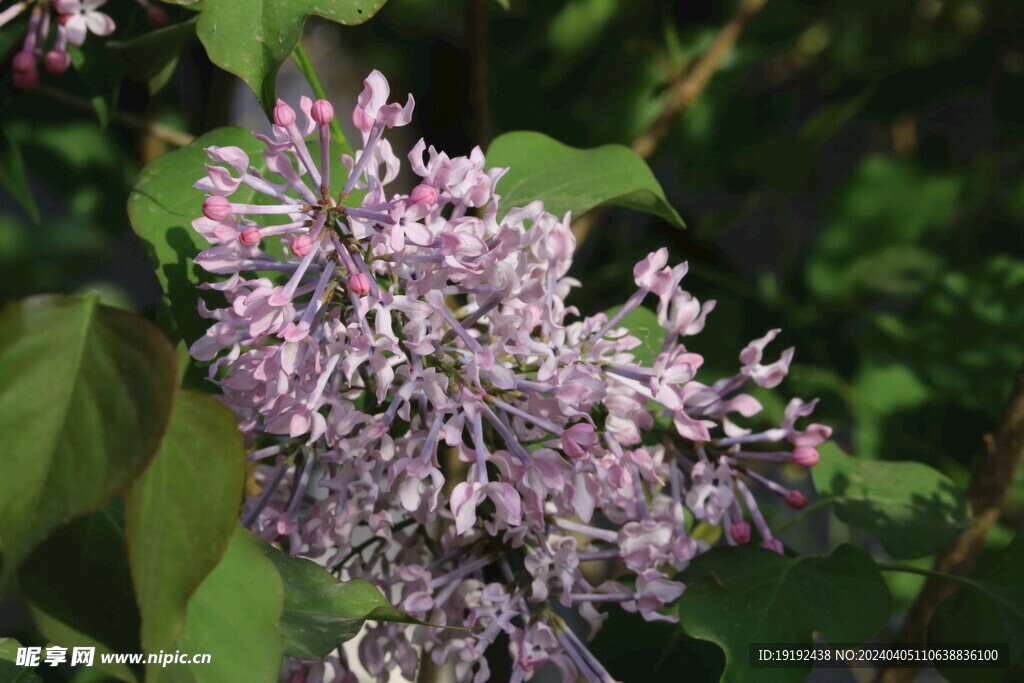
(853, 173)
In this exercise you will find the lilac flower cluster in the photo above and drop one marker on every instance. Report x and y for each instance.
(428, 413)
(74, 20)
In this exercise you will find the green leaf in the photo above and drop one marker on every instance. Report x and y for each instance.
(990, 610)
(913, 509)
(85, 396)
(576, 180)
(740, 596)
(320, 611)
(642, 324)
(181, 513)
(252, 38)
(153, 56)
(14, 176)
(10, 671)
(233, 617)
(79, 589)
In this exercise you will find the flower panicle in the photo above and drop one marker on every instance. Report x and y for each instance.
(405, 361)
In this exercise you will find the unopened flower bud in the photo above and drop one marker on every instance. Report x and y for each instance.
(796, 500)
(57, 61)
(24, 61)
(322, 112)
(775, 545)
(26, 80)
(740, 532)
(157, 18)
(359, 284)
(284, 115)
(805, 456)
(216, 208)
(424, 194)
(301, 245)
(250, 236)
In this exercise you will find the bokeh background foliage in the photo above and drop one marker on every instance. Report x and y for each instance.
(853, 173)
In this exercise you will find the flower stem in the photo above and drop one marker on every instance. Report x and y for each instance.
(301, 59)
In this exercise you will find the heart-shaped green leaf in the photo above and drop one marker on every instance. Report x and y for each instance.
(576, 180)
(233, 617)
(85, 396)
(913, 509)
(321, 612)
(181, 513)
(252, 38)
(740, 596)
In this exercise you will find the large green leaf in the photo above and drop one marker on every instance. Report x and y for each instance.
(740, 596)
(79, 589)
(181, 513)
(321, 612)
(252, 38)
(85, 396)
(233, 617)
(913, 509)
(576, 180)
(989, 611)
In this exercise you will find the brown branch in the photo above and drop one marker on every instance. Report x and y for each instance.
(167, 134)
(1004, 453)
(683, 92)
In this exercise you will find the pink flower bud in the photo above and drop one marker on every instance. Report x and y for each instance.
(284, 115)
(805, 456)
(216, 208)
(157, 18)
(322, 112)
(359, 284)
(26, 80)
(57, 61)
(301, 245)
(250, 236)
(796, 500)
(424, 194)
(775, 545)
(740, 532)
(24, 61)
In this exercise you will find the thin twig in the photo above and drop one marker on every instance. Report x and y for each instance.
(683, 92)
(1003, 454)
(687, 89)
(172, 136)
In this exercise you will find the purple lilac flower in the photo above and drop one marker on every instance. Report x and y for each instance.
(404, 366)
(73, 19)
